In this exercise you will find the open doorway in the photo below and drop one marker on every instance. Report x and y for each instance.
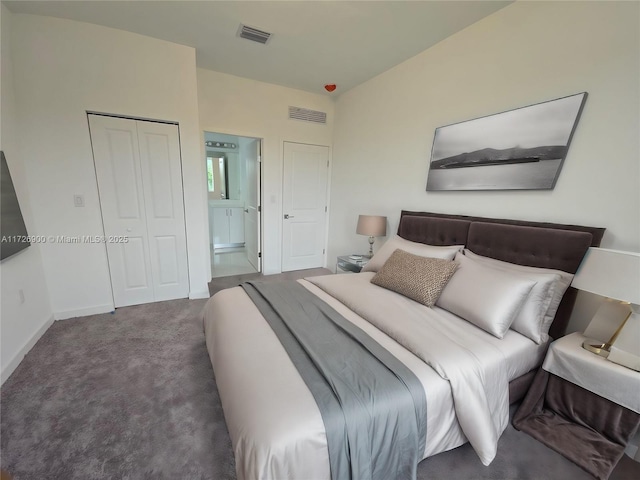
(233, 203)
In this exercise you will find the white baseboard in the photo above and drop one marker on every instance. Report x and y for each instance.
(83, 312)
(199, 294)
(8, 369)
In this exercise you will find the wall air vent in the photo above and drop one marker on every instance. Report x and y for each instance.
(306, 115)
(253, 34)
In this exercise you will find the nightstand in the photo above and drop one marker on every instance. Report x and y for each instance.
(582, 406)
(347, 264)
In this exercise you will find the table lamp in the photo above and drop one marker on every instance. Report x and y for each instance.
(614, 274)
(373, 226)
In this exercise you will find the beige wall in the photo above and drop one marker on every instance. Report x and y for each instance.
(525, 53)
(62, 69)
(21, 322)
(239, 106)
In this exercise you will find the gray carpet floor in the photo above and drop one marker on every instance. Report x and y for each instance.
(132, 395)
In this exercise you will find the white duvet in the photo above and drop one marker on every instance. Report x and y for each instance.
(275, 426)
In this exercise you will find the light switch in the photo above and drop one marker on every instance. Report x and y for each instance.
(78, 200)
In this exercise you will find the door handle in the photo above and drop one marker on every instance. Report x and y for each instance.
(246, 210)
(287, 216)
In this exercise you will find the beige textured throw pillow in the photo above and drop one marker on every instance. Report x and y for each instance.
(419, 278)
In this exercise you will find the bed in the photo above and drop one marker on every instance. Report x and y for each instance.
(276, 425)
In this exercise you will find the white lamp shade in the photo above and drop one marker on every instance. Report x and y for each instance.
(614, 274)
(610, 273)
(372, 225)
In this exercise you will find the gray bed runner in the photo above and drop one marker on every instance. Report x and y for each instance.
(373, 406)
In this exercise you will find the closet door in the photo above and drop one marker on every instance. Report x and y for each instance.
(164, 207)
(140, 185)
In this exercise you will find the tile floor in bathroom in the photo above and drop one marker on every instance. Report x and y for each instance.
(230, 261)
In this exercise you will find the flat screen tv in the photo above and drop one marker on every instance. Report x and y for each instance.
(13, 231)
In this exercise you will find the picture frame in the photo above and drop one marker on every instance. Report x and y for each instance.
(520, 149)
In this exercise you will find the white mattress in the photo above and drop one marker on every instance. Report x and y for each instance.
(272, 417)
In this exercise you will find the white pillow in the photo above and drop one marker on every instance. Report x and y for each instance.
(485, 296)
(523, 324)
(396, 242)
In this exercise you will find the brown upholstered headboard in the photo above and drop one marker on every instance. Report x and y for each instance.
(535, 244)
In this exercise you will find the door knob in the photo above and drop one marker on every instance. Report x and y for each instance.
(287, 216)
(246, 210)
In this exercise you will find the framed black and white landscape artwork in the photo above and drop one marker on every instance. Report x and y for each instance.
(522, 149)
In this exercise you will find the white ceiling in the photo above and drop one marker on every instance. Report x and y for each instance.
(313, 42)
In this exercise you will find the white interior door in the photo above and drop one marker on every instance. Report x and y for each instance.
(252, 212)
(140, 184)
(304, 205)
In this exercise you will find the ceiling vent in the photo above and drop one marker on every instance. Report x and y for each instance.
(306, 115)
(253, 34)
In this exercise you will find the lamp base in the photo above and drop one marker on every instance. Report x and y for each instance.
(371, 240)
(598, 348)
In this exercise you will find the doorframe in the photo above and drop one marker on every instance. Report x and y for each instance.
(131, 117)
(203, 151)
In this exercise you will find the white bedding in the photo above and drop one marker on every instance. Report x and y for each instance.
(275, 426)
